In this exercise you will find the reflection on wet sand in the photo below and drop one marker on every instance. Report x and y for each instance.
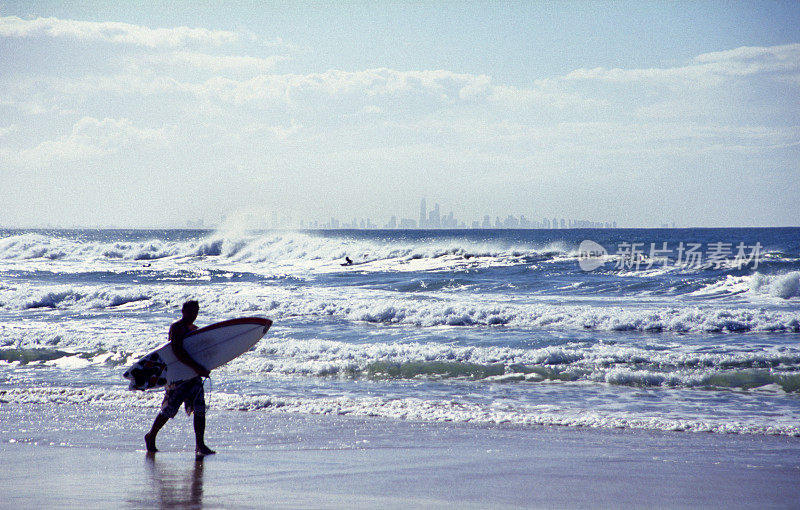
(172, 487)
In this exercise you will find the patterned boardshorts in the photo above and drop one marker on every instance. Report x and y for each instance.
(189, 393)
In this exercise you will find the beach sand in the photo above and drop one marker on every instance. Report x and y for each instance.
(90, 456)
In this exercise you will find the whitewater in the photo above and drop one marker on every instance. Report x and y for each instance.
(474, 326)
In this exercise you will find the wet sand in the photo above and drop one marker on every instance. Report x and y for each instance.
(84, 457)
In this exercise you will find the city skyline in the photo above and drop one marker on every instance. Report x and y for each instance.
(433, 220)
(428, 219)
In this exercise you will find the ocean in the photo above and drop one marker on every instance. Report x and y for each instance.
(694, 330)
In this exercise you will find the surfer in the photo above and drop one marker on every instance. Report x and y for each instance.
(347, 261)
(190, 392)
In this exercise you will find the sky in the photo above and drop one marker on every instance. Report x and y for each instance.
(145, 114)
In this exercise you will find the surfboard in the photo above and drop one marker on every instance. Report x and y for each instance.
(211, 346)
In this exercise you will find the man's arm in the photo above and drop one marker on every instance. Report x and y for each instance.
(177, 334)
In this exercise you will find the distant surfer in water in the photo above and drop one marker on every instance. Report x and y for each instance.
(347, 262)
(190, 392)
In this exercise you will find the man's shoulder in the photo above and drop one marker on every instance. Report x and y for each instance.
(178, 330)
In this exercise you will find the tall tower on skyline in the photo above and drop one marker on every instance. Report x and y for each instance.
(434, 218)
(423, 213)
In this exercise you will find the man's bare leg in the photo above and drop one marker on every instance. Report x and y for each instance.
(150, 437)
(199, 433)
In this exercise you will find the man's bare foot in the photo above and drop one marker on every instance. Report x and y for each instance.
(204, 450)
(150, 442)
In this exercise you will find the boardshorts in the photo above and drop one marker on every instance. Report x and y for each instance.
(190, 393)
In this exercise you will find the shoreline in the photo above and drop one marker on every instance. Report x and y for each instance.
(85, 456)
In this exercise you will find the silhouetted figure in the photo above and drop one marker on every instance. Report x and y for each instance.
(190, 392)
(347, 262)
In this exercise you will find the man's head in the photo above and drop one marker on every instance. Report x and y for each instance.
(190, 310)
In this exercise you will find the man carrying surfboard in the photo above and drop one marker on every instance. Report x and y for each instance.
(188, 392)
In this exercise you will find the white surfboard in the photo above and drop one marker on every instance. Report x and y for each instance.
(211, 346)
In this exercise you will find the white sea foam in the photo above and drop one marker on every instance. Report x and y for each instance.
(629, 365)
(280, 251)
(385, 307)
(784, 286)
(413, 409)
(670, 365)
(67, 297)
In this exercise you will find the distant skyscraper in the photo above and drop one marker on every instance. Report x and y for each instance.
(434, 221)
(423, 212)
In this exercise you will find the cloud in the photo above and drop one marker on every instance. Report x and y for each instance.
(23, 103)
(568, 140)
(211, 63)
(417, 115)
(334, 89)
(696, 74)
(543, 92)
(442, 86)
(286, 133)
(4, 130)
(380, 90)
(116, 32)
(707, 69)
(91, 138)
(784, 53)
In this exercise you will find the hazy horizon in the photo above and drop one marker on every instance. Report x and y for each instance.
(644, 114)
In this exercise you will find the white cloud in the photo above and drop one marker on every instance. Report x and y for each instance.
(370, 90)
(284, 134)
(696, 74)
(708, 69)
(91, 138)
(543, 92)
(359, 85)
(566, 140)
(784, 53)
(109, 31)
(410, 126)
(24, 104)
(4, 130)
(335, 88)
(212, 63)
(369, 83)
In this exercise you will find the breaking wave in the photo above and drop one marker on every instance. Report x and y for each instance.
(625, 365)
(671, 366)
(390, 309)
(411, 409)
(277, 247)
(784, 286)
